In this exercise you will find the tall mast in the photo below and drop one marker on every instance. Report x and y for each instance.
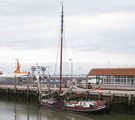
(61, 48)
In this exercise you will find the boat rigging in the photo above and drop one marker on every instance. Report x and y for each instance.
(61, 100)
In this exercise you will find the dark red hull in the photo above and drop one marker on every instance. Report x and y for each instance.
(52, 105)
(82, 109)
(75, 109)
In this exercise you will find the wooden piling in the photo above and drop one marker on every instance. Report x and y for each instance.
(28, 80)
(7, 90)
(100, 95)
(129, 99)
(112, 97)
(15, 84)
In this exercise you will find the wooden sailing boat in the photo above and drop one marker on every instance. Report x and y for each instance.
(46, 100)
(60, 102)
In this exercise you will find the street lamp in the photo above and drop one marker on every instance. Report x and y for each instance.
(48, 69)
(48, 78)
(71, 68)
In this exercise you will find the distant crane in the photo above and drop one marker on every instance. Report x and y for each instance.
(18, 66)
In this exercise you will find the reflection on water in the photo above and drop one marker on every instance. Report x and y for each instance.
(51, 114)
(32, 111)
(27, 111)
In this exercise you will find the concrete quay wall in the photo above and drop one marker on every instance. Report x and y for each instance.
(114, 96)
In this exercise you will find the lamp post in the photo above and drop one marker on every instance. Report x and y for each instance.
(48, 69)
(71, 68)
(48, 78)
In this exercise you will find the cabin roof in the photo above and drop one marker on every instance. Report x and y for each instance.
(112, 72)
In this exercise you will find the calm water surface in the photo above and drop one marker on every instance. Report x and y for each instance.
(11, 110)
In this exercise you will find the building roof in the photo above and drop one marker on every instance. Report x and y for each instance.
(112, 72)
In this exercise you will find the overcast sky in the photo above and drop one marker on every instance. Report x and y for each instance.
(95, 31)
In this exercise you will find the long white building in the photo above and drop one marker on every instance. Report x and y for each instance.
(116, 76)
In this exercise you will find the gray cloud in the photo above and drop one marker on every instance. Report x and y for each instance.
(33, 24)
(49, 7)
(105, 27)
(99, 6)
(28, 7)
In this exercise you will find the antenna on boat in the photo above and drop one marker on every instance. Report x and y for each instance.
(61, 48)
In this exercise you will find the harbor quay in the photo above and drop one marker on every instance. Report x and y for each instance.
(114, 96)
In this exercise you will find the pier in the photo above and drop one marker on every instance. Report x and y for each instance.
(27, 90)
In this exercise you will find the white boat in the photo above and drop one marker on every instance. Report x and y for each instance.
(10, 78)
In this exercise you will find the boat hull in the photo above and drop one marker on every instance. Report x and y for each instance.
(57, 105)
(82, 109)
(46, 104)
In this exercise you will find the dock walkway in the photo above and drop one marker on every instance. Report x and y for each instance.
(114, 95)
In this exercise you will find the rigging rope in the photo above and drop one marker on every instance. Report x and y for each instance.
(55, 68)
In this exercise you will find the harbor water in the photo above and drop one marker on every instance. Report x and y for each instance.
(22, 110)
